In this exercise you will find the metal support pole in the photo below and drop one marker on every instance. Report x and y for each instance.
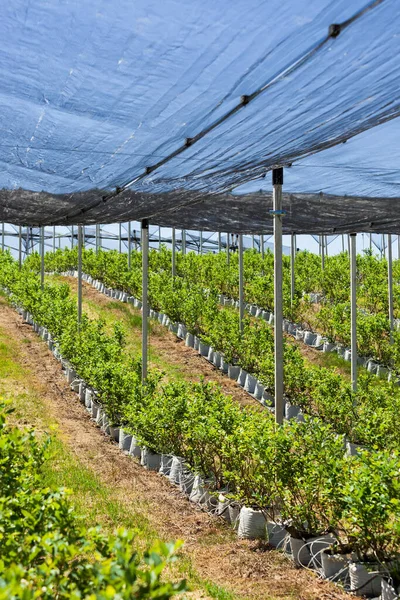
(42, 257)
(227, 248)
(2, 236)
(145, 306)
(183, 242)
(277, 182)
(20, 246)
(241, 284)
(54, 239)
(390, 285)
(120, 237)
(219, 241)
(370, 241)
(342, 242)
(348, 244)
(159, 238)
(72, 237)
(80, 236)
(97, 238)
(27, 240)
(173, 258)
(326, 245)
(252, 242)
(292, 261)
(262, 246)
(322, 243)
(353, 302)
(201, 242)
(129, 245)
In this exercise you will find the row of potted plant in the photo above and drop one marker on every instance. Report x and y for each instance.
(298, 475)
(369, 416)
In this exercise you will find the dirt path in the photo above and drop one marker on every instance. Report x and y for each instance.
(248, 569)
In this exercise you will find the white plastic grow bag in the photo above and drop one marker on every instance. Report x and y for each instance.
(335, 567)
(125, 440)
(250, 383)
(365, 582)
(388, 591)
(276, 534)
(233, 371)
(189, 340)
(150, 460)
(135, 449)
(114, 433)
(176, 469)
(186, 480)
(242, 377)
(165, 464)
(203, 349)
(252, 524)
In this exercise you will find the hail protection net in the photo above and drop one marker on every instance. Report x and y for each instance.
(175, 111)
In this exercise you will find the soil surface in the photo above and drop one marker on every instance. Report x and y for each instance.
(248, 569)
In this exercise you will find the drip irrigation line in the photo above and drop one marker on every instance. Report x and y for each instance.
(333, 32)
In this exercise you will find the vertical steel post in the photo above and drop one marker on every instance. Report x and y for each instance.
(326, 245)
(129, 245)
(201, 242)
(353, 302)
(97, 238)
(370, 241)
(120, 237)
(2, 236)
(227, 248)
(20, 246)
(80, 243)
(219, 241)
(277, 182)
(145, 307)
(390, 285)
(322, 242)
(292, 261)
(159, 238)
(54, 239)
(262, 246)
(183, 242)
(72, 237)
(42, 257)
(252, 242)
(241, 284)
(173, 257)
(342, 242)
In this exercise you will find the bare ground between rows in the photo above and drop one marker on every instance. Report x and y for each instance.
(248, 569)
(173, 351)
